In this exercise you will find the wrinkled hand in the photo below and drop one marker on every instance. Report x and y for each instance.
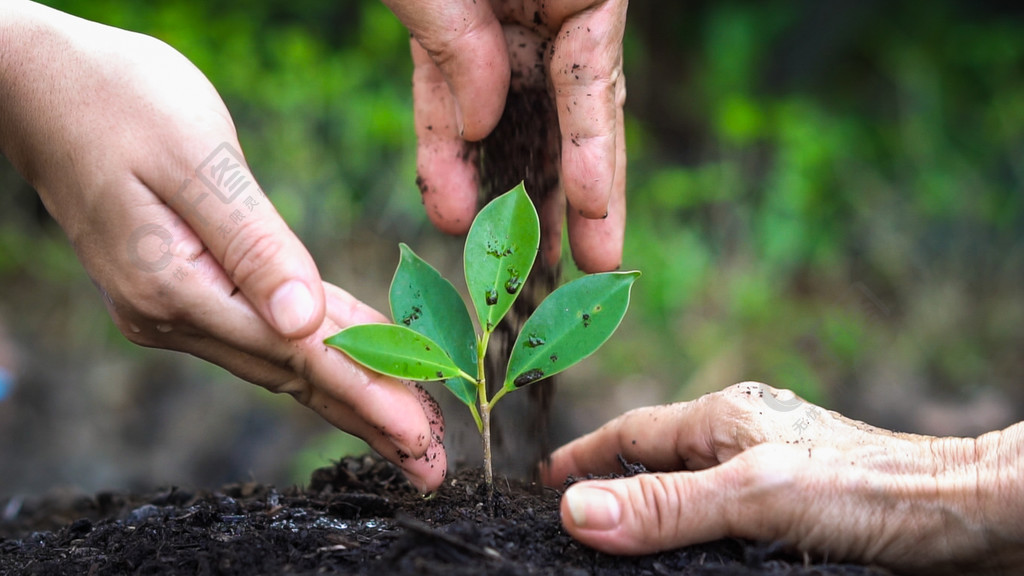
(135, 155)
(467, 52)
(760, 463)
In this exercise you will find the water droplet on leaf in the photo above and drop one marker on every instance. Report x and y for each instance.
(491, 297)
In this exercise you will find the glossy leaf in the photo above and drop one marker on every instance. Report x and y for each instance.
(426, 302)
(500, 250)
(569, 325)
(396, 351)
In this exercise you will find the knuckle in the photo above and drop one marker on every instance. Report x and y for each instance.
(658, 497)
(766, 469)
(296, 387)
(252, 249)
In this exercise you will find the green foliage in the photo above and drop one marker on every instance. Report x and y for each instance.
(500, 250)
(811, 182)
(433, 337)
(569, 325)
(396, 351)
(426, 302)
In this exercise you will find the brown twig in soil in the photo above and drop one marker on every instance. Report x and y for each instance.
(426, 530)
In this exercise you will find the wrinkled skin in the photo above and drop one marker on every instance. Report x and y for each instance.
(113, 129)
(755, 462)
(468, 53)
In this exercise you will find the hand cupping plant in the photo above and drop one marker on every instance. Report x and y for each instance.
(433, 337)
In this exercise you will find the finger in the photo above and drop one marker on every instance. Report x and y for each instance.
(586, 75)
(425, 472)
(466, 42)
(751, 496)
(683, 436)
(597, 243)
(201, 302)
(642, 514)
(445, 163)
(211, 187)
(651, 436)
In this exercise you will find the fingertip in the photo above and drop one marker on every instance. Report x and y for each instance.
(596, 245)
(606, 259)
(597, 514)
(588, 507)
(557, 469)
(447, 184)
(643, 514)
(448, 214)
(428, 472)
(296, 308)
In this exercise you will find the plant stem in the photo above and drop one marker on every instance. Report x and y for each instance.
(485, 433)
(485, 407)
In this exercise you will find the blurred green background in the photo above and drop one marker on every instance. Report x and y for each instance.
(827, 197)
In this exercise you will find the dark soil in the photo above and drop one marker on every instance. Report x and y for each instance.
(358, 517)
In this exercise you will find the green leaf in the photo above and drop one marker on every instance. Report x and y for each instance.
(396, 351)
(500, 249)
(426, 302)
(569, 325)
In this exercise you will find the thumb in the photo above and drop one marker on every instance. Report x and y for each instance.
(758, 494)
(642, 514)
(466, 42)
(226, 208)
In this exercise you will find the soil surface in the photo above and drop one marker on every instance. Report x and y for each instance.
(357, 517)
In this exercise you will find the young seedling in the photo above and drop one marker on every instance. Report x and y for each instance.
(433, 337)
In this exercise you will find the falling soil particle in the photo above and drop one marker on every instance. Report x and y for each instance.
(524, 147)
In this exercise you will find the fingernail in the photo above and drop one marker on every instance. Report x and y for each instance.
(291, 306)
(593, 508)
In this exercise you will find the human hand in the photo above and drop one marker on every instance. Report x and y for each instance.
(760, 463)
(135, 155)
(466, 54)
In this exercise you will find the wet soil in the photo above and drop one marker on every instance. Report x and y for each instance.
(357, 517)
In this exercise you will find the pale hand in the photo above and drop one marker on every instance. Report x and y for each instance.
(136, 157)
(755, 462)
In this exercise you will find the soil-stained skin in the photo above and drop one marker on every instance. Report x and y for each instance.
(435, 450)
